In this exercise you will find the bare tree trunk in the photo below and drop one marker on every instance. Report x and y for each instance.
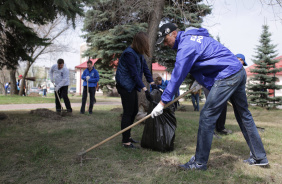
(14, 90)
(24, 76)
(153, 26)
(3, 80)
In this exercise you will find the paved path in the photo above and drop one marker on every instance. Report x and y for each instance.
(9, 107)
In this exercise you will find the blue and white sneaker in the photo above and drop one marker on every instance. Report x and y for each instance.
(251, 161)
(191, 165)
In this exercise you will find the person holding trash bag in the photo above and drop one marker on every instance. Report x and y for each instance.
(131, 67)
(217, 69)
(59, 75)
(90, 77)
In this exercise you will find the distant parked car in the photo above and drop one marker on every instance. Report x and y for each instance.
(51, 90)
(72, 90)
(34, 90)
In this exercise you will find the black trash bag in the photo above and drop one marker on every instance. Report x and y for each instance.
(159, 133)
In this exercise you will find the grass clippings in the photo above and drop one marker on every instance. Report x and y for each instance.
(37, 149)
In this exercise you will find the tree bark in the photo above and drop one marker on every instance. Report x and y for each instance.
(24, 76)
(14, 90)
(153, 26)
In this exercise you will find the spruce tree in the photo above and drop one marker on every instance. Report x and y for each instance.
(17, 39)
(106, 82)
(111, 25)
(264, 71)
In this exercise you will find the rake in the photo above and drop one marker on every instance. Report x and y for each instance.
(82, 155)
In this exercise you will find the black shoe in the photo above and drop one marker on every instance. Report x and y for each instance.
(131, 146)
(225, 132)
(90, 112)
(216, 136)
(132, 140)
(81, 112)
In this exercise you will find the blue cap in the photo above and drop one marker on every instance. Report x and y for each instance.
(242, 57)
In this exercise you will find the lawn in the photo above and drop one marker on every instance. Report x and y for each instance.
(35, 149)
(49, 99)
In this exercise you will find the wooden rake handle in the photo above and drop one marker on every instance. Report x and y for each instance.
(134, 124)
(58, 98)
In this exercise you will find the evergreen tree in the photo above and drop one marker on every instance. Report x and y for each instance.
(111, 25)
(264, 73)
(106, 82)
(17, 39)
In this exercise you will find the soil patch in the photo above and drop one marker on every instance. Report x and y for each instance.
(3, 116)
(116, 109)
(46, 113)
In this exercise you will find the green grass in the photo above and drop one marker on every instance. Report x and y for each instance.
(35, 149)
(49, 99)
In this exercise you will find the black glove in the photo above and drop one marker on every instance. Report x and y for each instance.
(154, 86)
(148, 96)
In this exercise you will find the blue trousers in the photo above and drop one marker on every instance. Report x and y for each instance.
(195, 101)
(232, 88)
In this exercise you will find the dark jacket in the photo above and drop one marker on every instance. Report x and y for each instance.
(130, 70)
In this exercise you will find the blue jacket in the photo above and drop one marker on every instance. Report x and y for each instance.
(7, 85)
(130, 70)
(205, 58)
(162, 86)
(94, 77)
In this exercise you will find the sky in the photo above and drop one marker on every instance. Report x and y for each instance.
(238, 23)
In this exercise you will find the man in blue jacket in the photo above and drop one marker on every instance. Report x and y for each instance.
(218, 70)
(91, 75)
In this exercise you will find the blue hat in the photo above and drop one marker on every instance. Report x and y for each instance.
(242, 57)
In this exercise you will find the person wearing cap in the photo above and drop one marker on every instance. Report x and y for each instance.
(216, 68)
(131, 67)
(241, 58)
(59, 76)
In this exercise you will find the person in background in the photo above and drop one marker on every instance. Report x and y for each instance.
(162, 84)
(131, 67)
(7, 85)
(20, 84)
(91, 76)
(195, 96)
(159, 84)
(241, 58)
(59, 75)
(44, 87)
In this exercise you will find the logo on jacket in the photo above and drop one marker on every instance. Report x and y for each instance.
(92, 74)
(198, 38)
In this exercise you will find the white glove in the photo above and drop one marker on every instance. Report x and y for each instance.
(57, 88)
(87, 78)
(158, 110)
(196, 85)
